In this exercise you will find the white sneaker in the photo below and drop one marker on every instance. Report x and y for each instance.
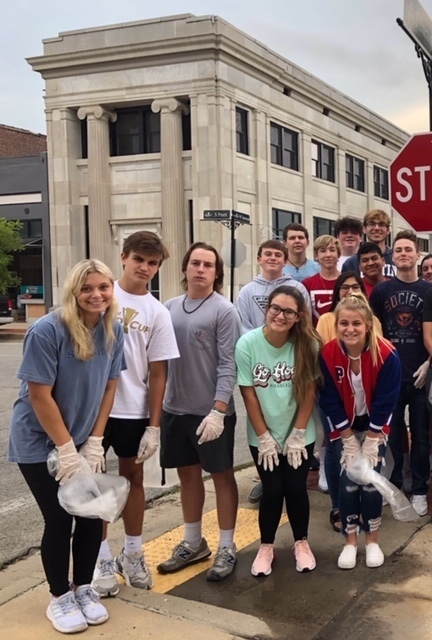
(104, 578)
(65, 614)
(348, 557)
(420, 504)
(374, 555)
(134, 570)
(88, 601)
(322, 479)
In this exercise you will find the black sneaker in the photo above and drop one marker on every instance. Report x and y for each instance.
(256, 493)
(183, 555)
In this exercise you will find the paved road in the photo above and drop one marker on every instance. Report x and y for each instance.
(20, 520)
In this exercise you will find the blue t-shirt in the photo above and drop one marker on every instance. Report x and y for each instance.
(310, 268)
(78, 386)
(398, 306)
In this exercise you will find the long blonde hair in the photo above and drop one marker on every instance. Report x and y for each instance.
(359, 303)
(72, 316)
(307, 343)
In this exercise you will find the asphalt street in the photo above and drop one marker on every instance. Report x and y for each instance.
(20, 519)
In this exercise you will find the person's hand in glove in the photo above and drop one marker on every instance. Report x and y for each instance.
(370, 450)
(268, 451)
(94, 453)
(420, 375)
(148, 445)
(295, 448)
(211, 427)
(69, 462)
(350, 448)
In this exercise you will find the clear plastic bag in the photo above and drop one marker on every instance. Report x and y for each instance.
(360, 472)
(153, 474)
(91, 495)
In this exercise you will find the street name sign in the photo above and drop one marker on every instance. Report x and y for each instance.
(217, 214)
(241, 217)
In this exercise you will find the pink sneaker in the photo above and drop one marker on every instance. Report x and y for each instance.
(304, 557)
(262, 565)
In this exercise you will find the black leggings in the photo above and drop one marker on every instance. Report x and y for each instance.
(283, 482)
(55, 544)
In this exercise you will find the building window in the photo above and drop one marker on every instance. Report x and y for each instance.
(135, 131)
(280, 219)
(381, 189)
(31, 230)
(284, 146)
(354, 168)
(242, 131)
(323, 226)
(323, 161)
(154, 286)
(423, 245)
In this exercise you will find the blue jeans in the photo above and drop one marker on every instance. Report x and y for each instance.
(357, 500)
(419, 428)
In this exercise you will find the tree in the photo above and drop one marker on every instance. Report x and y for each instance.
(10, 241)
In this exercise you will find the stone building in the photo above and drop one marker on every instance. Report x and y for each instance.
(24, 197)
(150, 123)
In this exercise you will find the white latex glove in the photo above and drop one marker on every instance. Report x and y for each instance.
(94, 453)
(350, 447)
(211, 427)
(420, 375)
(268, 451)
(69, 462)
(370, 450)
(295, 448)
(148, 445)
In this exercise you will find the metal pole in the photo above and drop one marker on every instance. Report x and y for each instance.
(232, 259)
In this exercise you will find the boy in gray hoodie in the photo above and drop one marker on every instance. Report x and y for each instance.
(252, 299)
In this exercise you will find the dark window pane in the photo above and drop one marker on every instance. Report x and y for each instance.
(280, 219)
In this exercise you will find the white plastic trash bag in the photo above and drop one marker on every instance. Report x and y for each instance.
(91, 495)
(153, 474)
(359, 471)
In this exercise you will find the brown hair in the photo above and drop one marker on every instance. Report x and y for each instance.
(406, 234)
(146, 242)
(376, 215)
(294, 226)
(218, 283)
(306, 341)
(273, 244)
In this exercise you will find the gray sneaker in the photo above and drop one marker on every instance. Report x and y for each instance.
(134, 570)
(183, 555)
(223, 565)
(104, 578)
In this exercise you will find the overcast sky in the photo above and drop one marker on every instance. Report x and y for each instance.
(354, 45)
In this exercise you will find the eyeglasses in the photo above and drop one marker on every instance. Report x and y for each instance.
(381, 225)
(288, 314)
(347, 287)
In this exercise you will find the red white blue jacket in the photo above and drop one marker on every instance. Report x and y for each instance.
(381, 384)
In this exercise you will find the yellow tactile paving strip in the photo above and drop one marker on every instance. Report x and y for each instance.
(160, 548)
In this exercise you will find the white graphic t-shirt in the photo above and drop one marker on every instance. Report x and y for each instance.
(148, 337)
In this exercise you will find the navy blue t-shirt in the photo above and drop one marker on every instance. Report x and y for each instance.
(399, 307)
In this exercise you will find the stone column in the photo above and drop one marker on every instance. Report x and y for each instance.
(99, 180)
(172, 192)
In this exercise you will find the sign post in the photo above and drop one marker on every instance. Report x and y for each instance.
(231, 220)
(411, 182)
(418, 27)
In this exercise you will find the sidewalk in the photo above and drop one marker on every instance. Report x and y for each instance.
(392, 602)
(13, 331)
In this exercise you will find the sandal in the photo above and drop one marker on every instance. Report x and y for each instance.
(335, 520)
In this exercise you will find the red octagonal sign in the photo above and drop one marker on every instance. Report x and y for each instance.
(411, 182)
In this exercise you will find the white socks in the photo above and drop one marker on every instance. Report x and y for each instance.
(226, 538)
(132, 544)
(105, 551)
(193, 533)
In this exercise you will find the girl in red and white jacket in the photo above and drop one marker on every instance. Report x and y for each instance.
(362, 376)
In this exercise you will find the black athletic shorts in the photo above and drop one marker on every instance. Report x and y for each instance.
(180, 448)
(124, 436)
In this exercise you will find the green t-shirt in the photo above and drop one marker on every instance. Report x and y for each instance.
(270, 370)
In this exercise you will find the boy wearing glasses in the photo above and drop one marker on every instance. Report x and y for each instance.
(376, 226)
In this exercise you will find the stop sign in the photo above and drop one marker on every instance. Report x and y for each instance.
(411, 182)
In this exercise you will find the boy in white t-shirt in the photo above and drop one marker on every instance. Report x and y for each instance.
(133, 426)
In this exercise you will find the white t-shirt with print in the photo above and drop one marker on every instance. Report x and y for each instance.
(148, 337)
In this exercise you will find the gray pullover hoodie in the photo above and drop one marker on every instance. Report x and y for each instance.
(253, 297)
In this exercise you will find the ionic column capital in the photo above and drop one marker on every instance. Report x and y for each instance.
(171, 105)
(97, 112)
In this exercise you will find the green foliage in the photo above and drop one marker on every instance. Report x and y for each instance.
(10, 241)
